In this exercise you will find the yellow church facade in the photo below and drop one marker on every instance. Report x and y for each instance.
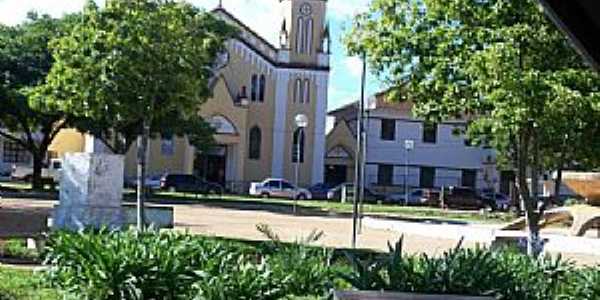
(256, 98)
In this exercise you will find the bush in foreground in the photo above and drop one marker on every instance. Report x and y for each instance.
(503, 274)
(130, 265)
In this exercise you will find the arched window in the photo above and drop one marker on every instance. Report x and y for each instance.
(254, 143)
(298, 145)
(306, 92)
(254, 88)
(261, 89)
(298, 90)
(300, 36)
(308, 35)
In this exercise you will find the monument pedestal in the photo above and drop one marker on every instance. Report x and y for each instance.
(91, 190)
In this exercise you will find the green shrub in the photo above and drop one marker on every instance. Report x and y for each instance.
(17, 249)
(534, 278)
(304, 270)
(501, 274)
(129, 265)
(585, 285)
(16, 284)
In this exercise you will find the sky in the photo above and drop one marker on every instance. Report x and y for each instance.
(263, 16)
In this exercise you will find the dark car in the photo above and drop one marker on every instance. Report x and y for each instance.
(497, 200)
(464, 198)
(319, 190)
(189, 184)
(370, 196)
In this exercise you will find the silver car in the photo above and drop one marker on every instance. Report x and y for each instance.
(279, 188)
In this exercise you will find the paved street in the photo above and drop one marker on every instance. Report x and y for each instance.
(239, 221)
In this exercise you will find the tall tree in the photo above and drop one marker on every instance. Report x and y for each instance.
(500, 60)
(133, 65)
(25, 60)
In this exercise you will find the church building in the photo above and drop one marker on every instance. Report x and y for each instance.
(257, 97)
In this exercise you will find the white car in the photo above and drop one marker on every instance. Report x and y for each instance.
(278, 188)
(52, 171)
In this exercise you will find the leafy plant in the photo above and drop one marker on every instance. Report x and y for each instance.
(303, 269)
(128, 265)
(17, 249)
(476, 272)
(586, 285)
(131, 265)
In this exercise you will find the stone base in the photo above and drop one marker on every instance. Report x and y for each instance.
(82, 217)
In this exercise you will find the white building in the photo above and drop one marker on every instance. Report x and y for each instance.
(439, 156)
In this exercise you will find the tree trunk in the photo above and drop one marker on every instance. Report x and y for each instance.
(534, 245)
(557, 184)
(141, 175)
(37, 182)
(532, 217)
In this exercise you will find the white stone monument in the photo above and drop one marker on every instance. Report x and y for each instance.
(91, 190)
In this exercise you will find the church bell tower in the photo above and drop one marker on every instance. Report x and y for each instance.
(304, 31)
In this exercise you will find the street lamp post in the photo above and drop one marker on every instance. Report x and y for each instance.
(408, 146)
(301, 121)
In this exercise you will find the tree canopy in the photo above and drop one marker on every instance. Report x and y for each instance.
(133, 61)
(25, 60)
(134, 68)
(499, 63)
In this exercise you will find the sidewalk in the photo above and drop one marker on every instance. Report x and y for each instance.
(484, 234)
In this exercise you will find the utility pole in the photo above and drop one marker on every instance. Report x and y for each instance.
(358, 159)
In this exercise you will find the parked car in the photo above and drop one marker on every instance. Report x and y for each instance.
(499, 201)
(279, 188)
(464, 198)
(415, 197)
(319, 190)
(50, 172)
(189, 184)
(152, 182)
(370, 196)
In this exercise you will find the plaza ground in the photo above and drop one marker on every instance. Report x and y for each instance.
(239, 221)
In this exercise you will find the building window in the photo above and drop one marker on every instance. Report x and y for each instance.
(14, 153)
(301, 91)
(300, 36)
(261, 89)
(254, 88)
(430, 133)
(388, 129)
(254, 144)
(469, 178)
(385, 174)
(308, 35)
(427, 178)
(306, 91)
(298, 145)
(298, 91)
(167, 146)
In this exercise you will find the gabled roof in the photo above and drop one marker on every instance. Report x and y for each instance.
(270, 47)
(244, 26)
